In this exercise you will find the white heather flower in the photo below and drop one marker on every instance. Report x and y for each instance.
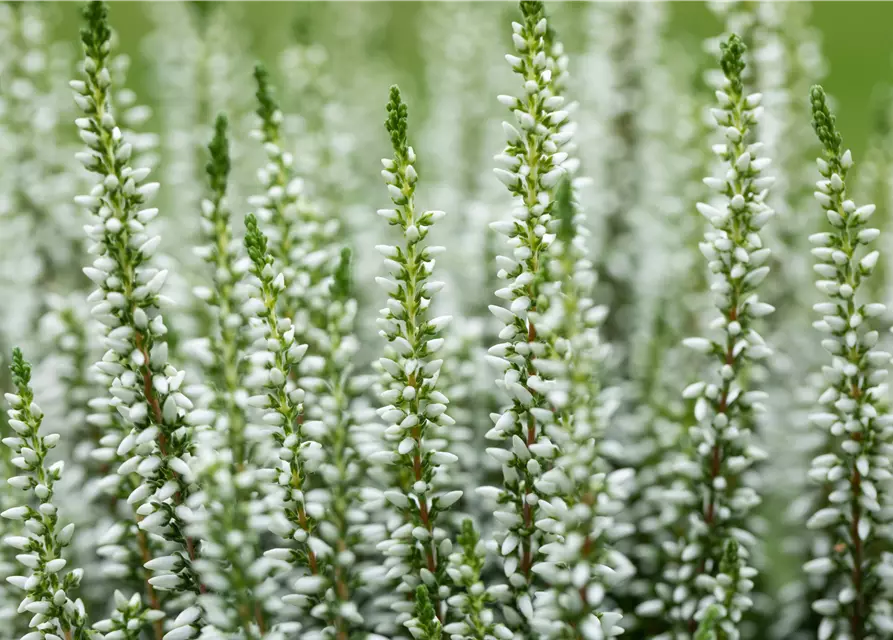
(229, 518)
(581, 496)
(724, 406)
(856, 470)
(413, 405)
(526, 339)
(47, 583)
(298, 509)
(472, 600)
(228, 342)
(304, 241)
(226, 514)
(146, 390)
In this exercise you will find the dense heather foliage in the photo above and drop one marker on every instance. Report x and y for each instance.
(583, 400)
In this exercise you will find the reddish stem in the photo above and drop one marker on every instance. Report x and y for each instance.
(150, 590)
(152, 399)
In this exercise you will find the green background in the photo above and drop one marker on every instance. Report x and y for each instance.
(856, 42)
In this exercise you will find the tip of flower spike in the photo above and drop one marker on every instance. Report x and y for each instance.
(708, 625)
(532, 9)
(95, 35)
(823, 122)
(266, 103)
(255, 242)
(729, 563)
(396, 121)
(203, 10)
(219, 165)
(426, 618)
(20, 369)
(732, 61)
(342, 279)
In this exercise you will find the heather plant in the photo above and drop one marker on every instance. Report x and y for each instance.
(413, 406)
(546, 412)
(856, 468)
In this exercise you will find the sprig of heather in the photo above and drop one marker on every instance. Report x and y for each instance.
(332, 391)
(414, 407)
(303, 240)
(473, 601)
(228, 344)
(9, 601)
(48, 587)
(229, 516)
(581, 495)
(227, 513)
(533, 160)
(146, 389)
(857, 469)
(283, 404)
(277, 207)
(425, 625)
(725, 409)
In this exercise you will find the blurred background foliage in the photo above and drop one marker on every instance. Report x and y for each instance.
(856, 42)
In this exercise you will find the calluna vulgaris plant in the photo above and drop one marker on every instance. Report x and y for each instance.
(259, 445)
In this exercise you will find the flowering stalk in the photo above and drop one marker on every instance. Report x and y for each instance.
(146, 389)
(304, 241)
(581, 495)
(319, 302)
(278, 205)
(414, 407)
(533, 159)
(473, 601)
(282, 402)
(857, 469)
(47, 587)
(226, 514)
(228, 517)
(331, 391)
(724, 408)
(228, 343)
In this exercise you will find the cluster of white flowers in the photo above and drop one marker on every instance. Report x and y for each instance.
(307, 479)
(857, 468)
(227, 515)
(473, 600)
(581, 494)
(47, 585)
(533, 169)
(282, 403)
(722, 495)
(414, 408)
(301, 237)
(154, 442)
(223, 352)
